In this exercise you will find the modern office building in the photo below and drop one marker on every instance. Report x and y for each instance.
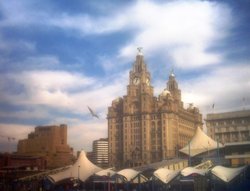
(237, 153)
(50, 142)
(100, 152)
(143, 128)
(233, 130)
(229, 127)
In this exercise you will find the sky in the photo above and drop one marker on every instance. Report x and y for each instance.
(58, 57)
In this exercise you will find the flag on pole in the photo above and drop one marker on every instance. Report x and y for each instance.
(244, 102)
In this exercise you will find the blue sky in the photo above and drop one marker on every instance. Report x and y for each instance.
(57, 57)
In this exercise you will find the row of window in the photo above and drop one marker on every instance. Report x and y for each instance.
(229, 122)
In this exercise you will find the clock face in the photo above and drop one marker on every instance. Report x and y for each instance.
(136, 80)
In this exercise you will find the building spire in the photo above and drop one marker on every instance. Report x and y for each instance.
(172, 72)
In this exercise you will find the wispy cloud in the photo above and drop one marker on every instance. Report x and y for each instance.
(7, 46)
(93, 130)
(186, 31)
(44, 87)
(43, 83)
(224, 86)
(60, 89)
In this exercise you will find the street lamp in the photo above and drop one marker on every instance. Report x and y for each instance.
(79, 173)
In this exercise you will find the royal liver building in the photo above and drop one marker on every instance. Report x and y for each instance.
(143, 128)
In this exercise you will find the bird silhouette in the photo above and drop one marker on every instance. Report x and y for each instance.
(93, 113)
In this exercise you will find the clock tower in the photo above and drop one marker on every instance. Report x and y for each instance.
(143, 128)
(139, 89)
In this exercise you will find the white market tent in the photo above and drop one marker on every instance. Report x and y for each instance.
(81, 169)
(191, 170)
(227, 174)
(200, 143)
(106, 172)
(128, 174)
(166, 175)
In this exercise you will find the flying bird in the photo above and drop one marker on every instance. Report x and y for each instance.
(93, 113)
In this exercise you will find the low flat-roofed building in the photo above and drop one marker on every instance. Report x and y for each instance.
(49, 142)
(14, 166)
(22, 161)
(238, 153)
(229, 126)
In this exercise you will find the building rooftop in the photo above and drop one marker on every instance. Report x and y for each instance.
(237, 143)
(226, 115)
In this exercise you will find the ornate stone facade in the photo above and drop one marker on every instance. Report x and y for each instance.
(50, 142)
(143, 128)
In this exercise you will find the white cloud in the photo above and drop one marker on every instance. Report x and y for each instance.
(42, 61)
(225, 87)
(89, 25)
(181, 30)
(54, 89)
(43, 87)
(184, 30)
(62, 90)
(222, 86)
(86, 132)
(34, 113)
(14, 130)
(7, 46)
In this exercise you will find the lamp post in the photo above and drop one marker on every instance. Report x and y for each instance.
(189, 157)
(108, 181)
(79, 173)
(218, 152)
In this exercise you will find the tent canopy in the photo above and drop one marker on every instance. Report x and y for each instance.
(227, 174)
(191, 170)
(81, 169)
(106, 172)
(200, 143)
(128, 174)
(166, 175)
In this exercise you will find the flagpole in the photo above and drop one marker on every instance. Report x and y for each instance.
(189, 159)
(218, 151)
(213, 108)
(244, 101)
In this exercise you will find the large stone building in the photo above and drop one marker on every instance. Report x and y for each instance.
(50, 142)
(229, 127)
(143, 128)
